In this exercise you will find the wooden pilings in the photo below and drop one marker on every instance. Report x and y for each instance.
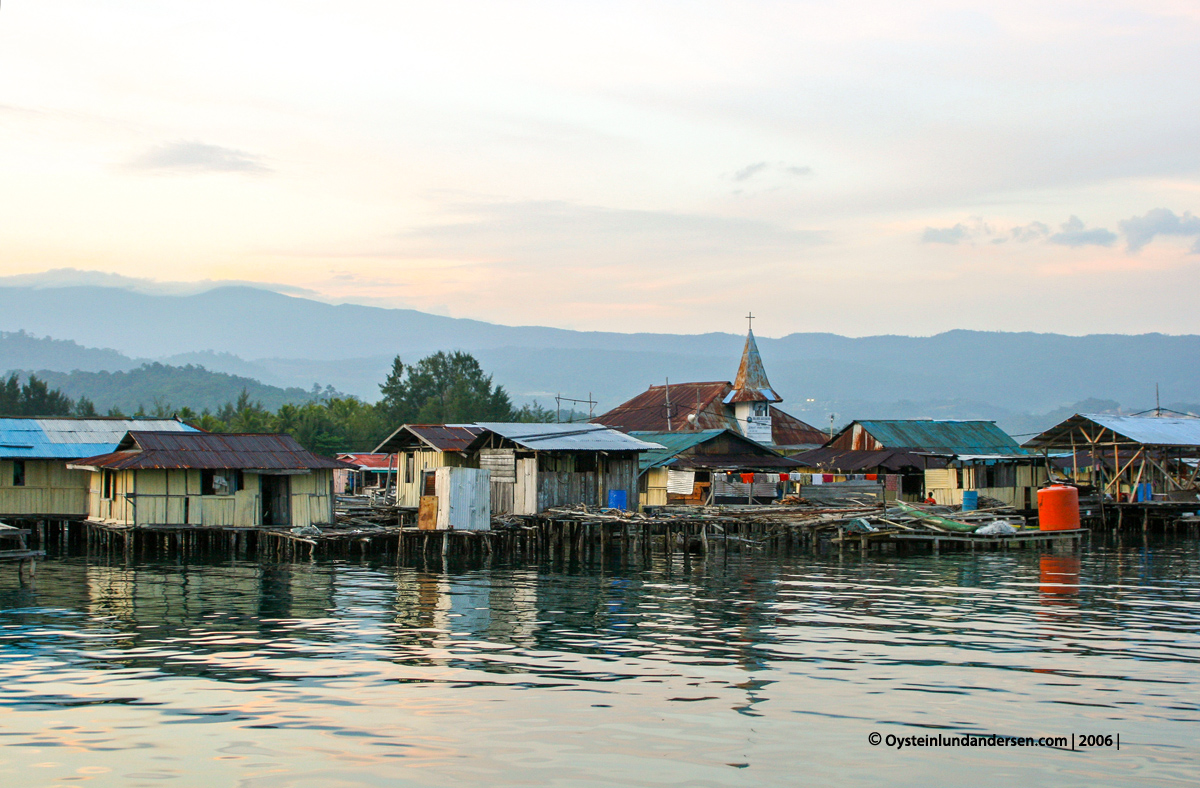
(556, 542)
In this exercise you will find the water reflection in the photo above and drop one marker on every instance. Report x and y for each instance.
(741, 672)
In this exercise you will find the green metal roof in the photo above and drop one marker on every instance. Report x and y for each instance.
(673, 443)
(943, 437)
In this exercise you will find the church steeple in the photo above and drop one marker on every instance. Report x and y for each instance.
(751, 384)
(752, 395)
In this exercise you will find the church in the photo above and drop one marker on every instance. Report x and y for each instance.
(747, 406)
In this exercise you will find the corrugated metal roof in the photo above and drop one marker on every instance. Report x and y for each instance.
(68, 439)
(213, 451)
(675, 443)
(567, 437)
(672, 444)
(751, 384)
(939, 436)
(787, 430)
(370, 461)
(855, 460)
(1144, 430)
(442, 437)
(649, 410)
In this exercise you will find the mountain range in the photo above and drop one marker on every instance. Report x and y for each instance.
(290, 342)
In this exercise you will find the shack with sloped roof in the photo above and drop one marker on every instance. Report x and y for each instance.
(977, 455)
(538, 466)
(201, 479)
(420, 449)
(706, 466)
(35, 482)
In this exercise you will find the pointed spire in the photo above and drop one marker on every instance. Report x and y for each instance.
(751, 384)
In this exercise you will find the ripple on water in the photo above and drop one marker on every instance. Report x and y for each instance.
(750, 672)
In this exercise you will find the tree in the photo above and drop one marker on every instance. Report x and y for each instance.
(34, 398)
(443, 388)
(534, 413)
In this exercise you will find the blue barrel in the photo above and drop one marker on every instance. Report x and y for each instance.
(617, 499)
(970, 500)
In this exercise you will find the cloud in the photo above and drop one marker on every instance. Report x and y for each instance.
(1073, 233)
(1141, 230)
(1034, 231)
(197, 157)
(550, 233)
(749, 171)
(74, 277)
(946, 235)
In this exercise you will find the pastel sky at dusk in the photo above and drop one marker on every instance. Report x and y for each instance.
(858, 168)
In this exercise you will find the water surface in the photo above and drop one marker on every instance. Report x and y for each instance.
(750, 671)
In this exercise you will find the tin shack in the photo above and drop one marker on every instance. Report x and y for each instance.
(537, 466)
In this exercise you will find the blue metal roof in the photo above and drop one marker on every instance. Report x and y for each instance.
(72, 439)
(943, 437)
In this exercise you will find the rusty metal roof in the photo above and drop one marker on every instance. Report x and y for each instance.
(209, 451)
(787, 430)
(751, 384)
(370, 461)
(440, 437)
(648, 411)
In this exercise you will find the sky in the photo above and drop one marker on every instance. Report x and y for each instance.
(858, 168)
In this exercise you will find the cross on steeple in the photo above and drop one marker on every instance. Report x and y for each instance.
(750, 320)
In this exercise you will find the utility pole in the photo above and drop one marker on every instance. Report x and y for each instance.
(668, 404)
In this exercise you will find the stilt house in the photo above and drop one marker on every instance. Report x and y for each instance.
(35, 482)
(705, 467)
(1132, 458)
(371, 471)
(978, 456)
(206, 479)
(420, 449)
(537, 466)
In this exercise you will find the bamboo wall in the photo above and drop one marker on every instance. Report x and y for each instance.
(173, 497)
(50, 490)
(408, 493)
(654, 482)
(943, 484)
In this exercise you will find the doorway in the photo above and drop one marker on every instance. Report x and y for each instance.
(276, 492)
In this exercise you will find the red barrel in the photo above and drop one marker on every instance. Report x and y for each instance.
(1058, 508)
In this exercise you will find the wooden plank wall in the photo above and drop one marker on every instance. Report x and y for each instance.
(172, 497)
(49, 489)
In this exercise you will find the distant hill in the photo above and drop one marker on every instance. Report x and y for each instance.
(20, 350)
(165, 389)
(291, 343)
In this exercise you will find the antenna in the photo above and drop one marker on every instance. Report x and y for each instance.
(1157, 403)
(560, 399)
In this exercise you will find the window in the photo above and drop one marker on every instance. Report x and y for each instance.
(224, 482)
(18, 473)
(409, 463)
(760, 409)
(108, 485)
